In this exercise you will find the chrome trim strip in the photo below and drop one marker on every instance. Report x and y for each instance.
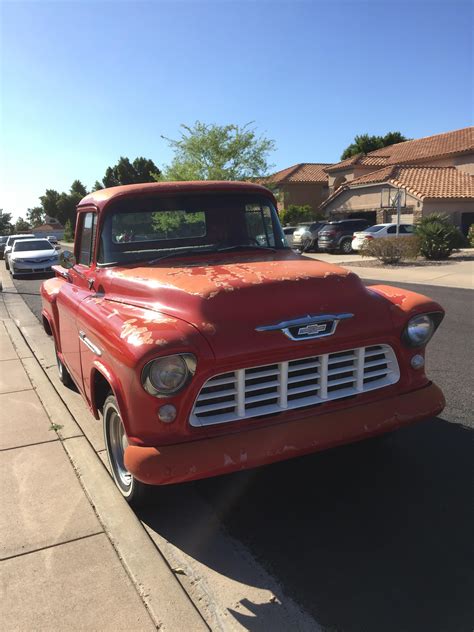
(90, 345)
(285, 325)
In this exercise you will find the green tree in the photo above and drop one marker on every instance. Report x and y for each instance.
(126, 172)
(6, 225)
(218, 152)
(21, 226)
(364, 143)
(62, 206)
(68, 231)
(35, 216)
(49, 202)
(78, 188)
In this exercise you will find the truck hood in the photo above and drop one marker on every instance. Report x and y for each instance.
(228, 297)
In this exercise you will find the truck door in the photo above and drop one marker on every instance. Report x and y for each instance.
(75, 291)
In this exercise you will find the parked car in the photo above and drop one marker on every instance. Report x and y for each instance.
(380, 230)
(9, 245)
(205, 353)
(305, 236)
(338, 235)
(30, 256)
(52, 239)
(3, 242)
(288, 232)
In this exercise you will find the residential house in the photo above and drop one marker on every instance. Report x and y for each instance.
(51, 227)
(303, 184)
(434, 173)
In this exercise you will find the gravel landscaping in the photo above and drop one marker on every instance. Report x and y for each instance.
(456, 257)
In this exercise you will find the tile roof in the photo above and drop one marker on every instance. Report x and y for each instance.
(347, 162)
(431, 147)
(302, 172)
(47, 228)
(422, 182)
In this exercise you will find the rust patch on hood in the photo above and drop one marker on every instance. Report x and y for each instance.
(209, 278)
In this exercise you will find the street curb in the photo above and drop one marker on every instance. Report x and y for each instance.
(168, 604)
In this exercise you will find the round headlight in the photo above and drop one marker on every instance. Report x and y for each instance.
(168, 375)
(419, 330)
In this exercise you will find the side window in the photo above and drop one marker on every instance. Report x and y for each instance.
(391, 230)
(407, 229)
(88, 228)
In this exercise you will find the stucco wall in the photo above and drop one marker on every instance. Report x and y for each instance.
(363, 199)
(302, 194)
(453, 208)
(465, 162)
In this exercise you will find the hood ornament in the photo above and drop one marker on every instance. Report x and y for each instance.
(308, 327)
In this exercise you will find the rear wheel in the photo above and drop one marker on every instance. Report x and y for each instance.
(134, 491)
(346, 246)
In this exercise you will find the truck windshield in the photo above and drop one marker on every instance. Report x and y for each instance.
(147, 229)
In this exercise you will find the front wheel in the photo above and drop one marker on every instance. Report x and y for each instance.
(346, 246)
(134, 491)
(63, 373)
(6, 264)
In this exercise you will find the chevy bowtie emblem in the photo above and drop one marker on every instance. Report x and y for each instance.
(308, 327)
(312, 329)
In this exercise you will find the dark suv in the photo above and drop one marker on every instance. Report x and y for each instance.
(338, 235)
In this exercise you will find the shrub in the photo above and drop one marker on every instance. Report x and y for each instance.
(470, 235)
(391, 250)
(68, 231)
(295, 214)
(438, 237)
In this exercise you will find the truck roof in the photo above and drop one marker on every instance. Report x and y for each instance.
(102, 197)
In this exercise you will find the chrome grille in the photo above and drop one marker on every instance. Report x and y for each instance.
(273, 388)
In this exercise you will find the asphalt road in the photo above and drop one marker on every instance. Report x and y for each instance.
(373, 537)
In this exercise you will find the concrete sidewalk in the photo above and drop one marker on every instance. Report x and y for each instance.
(59, 569)
(454, 273)
(74, 556)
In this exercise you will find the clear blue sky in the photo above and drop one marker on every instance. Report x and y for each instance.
(85, 82)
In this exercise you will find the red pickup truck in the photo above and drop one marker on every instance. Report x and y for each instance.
(206, 345)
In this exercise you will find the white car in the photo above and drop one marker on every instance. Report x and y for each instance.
(9, 245)
(29, 256)
(380, 230)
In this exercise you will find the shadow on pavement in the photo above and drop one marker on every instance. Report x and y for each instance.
(374, 536)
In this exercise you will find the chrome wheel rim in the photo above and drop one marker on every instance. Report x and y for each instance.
(346, 247)
(117, 444)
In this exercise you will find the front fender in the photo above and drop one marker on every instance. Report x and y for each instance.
(405, 304)
(49, 293)
(127, 337)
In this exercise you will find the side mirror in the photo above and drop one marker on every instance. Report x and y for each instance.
(67, 259)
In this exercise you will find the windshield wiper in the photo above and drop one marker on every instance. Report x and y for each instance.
(246, 246)
(176, 253)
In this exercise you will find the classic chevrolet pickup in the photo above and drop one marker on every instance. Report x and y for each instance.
(208, 346)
